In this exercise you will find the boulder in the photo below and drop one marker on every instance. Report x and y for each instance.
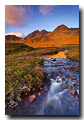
(73, 92)
(25, 89)
(32, 98)
(53, 59)
(58, 79)
(71, 68)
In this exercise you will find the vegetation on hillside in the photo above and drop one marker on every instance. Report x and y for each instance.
(11, 48)
(17, 49)
(22, 71)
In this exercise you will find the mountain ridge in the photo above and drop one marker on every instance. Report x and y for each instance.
(36, 33)
(62, 35)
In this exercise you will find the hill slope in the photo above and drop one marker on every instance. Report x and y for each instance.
(75, 30)
(60, 36)
(9, 38)
(35, 33)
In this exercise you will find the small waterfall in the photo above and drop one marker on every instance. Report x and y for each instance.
(52, 103)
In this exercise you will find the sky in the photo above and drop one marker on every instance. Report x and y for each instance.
(20, 20)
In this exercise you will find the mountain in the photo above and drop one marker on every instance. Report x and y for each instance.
(9, 38)
(33, 34)
(42, 32)
(60, 36)
(36, 33)
(62, 28)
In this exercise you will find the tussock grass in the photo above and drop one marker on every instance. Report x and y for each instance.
(22, 71)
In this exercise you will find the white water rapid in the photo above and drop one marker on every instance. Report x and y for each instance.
(52, 102)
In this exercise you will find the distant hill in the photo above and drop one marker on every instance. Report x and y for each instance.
(60, 36)
(9, 38)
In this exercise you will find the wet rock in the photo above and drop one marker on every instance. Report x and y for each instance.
(32, 98)
(53, 59)
(13, 104)
(60, 65)
(39, 93)
(77, 91)
(71, 68)
(41, 89)
(25, 89)
(73, 78)
(58, 79)
(77, 70)
(71, 84)
(54, 65)
(73, 92)
(46, 65)
(45, 88)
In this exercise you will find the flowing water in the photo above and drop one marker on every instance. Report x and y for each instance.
(56, 99)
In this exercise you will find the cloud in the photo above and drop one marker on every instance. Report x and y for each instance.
(45, 9)
(17, 33)
(15, 15)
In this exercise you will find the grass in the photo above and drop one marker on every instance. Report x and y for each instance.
(17, 49)
(74, 53)
(11, 48)
(22, 71)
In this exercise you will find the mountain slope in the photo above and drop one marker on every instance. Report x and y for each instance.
(60, 36)
(35, 33)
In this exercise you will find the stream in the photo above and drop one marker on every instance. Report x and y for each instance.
(58, 97)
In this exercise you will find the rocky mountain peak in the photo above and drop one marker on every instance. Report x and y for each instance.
(62, 28)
